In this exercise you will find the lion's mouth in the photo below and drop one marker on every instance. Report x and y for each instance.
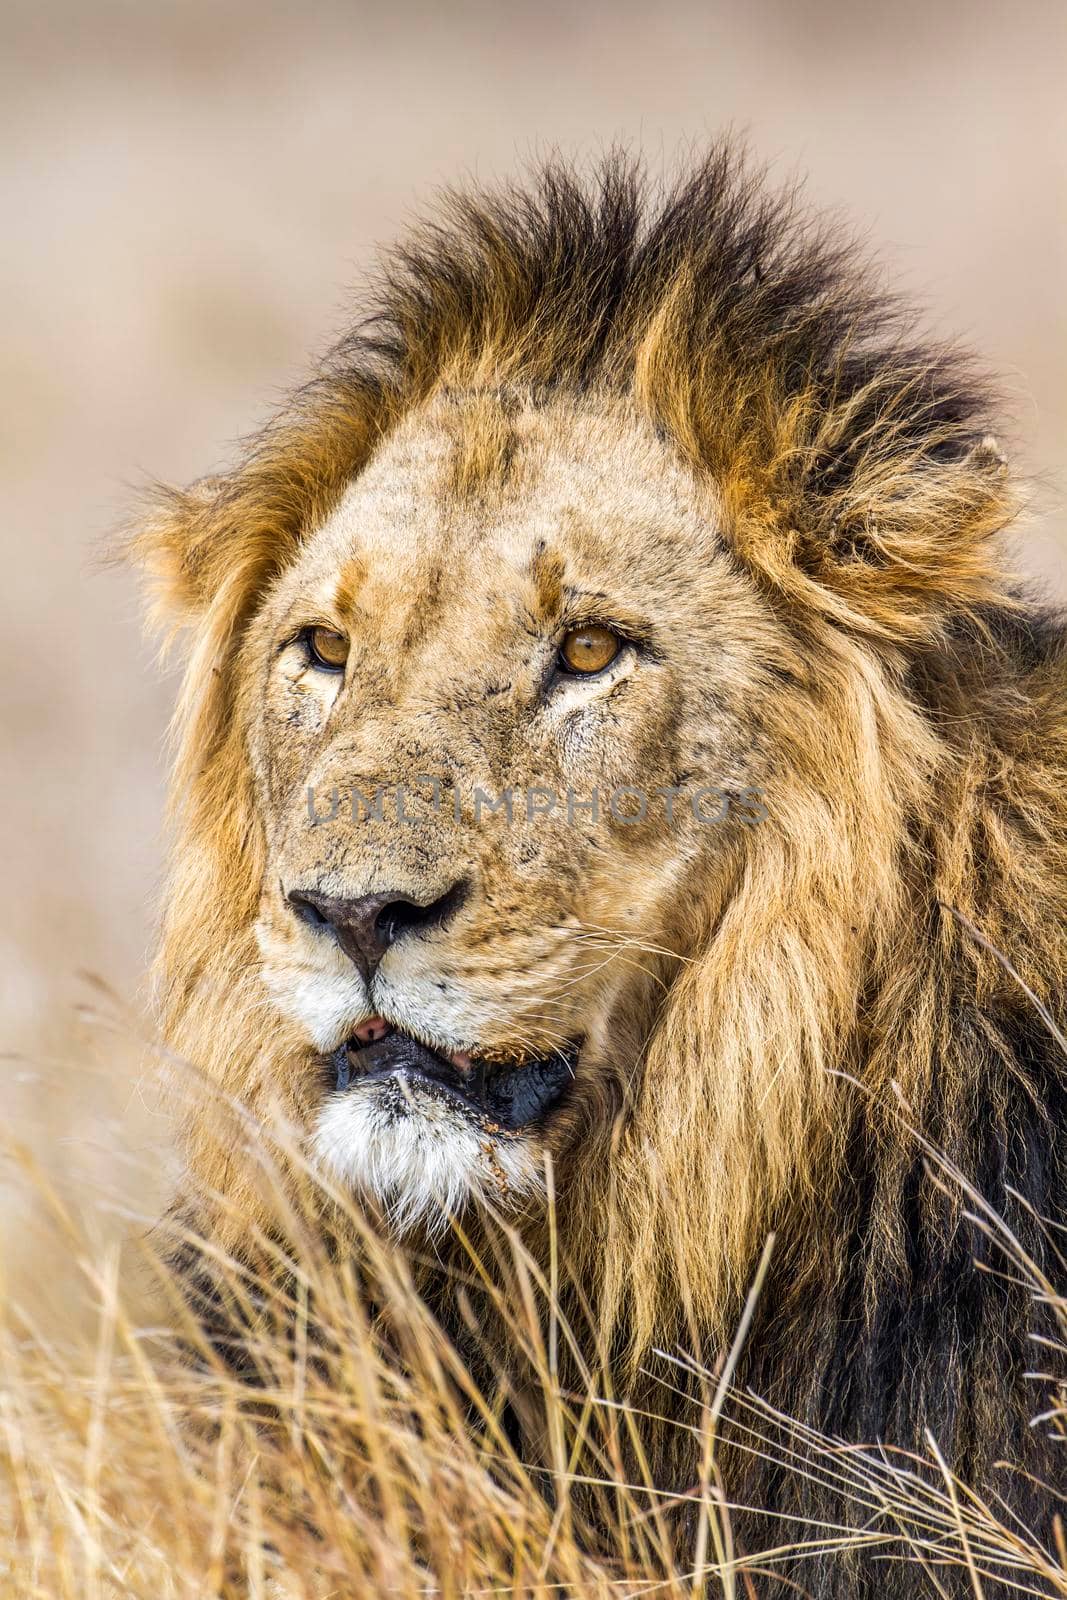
(501, 1095)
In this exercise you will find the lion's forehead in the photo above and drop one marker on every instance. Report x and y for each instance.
(444, 520)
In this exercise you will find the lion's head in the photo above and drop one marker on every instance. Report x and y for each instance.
(550, 773)
(503, 755)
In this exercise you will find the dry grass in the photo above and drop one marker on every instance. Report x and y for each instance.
(368, 1464)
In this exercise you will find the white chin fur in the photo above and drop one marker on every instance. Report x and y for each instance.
(421, 1163)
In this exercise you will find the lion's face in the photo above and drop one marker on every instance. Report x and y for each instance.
(503, 749)
(647, 504)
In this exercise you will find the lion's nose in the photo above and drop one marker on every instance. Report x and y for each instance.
(366, 927)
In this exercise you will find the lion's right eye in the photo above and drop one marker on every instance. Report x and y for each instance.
(327, 649)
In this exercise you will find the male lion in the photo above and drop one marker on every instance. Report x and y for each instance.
(610, 732)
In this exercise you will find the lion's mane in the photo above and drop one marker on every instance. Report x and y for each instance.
(844, 1021)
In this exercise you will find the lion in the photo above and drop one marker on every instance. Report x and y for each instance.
(613, 744)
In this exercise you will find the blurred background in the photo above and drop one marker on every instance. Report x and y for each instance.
(192, 194)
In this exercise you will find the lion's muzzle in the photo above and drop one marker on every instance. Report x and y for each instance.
(502, 1097)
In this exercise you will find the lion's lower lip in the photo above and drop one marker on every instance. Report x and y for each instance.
(509, 1097)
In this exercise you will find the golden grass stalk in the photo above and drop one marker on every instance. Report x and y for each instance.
(353, 1454)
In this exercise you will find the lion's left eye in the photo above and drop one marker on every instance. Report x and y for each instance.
(328, 650)
(588, 650)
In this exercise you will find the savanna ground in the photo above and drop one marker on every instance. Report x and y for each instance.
(191, 196)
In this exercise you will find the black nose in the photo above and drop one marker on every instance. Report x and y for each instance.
(366, 927)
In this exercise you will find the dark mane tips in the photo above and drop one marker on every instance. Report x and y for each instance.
(578, 281)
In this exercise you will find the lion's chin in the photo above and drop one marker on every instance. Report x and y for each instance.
(422, 1133)
(418, 1157)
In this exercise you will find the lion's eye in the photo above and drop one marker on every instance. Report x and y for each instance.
(328, 650)
(588, 650)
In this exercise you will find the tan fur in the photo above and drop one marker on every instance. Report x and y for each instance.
(804, 547)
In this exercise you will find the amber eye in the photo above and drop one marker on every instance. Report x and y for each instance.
(588, 650)
(328, 650)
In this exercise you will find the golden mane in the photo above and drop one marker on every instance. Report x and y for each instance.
(841, 1004)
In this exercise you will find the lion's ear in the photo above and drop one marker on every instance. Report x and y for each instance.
(210, 552)
(987, 456)
(913, 536)
(885, 518)
(180, 544)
